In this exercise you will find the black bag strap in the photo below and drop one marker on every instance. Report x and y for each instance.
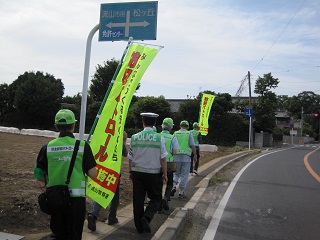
(73, 159)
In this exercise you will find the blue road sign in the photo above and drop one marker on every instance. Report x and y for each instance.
(120, 21)
(248, 112)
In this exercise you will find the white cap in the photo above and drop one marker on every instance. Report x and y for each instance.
(149, 114)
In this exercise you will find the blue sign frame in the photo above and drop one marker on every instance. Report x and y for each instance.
(120, 21)
(248, 112)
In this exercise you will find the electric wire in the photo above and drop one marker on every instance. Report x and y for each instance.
(279, 36)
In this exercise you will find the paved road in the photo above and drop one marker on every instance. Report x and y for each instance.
(276, 197)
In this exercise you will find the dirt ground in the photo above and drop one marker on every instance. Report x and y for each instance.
(19, 210)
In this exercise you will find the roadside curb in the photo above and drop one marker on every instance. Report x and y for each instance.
(176, 221)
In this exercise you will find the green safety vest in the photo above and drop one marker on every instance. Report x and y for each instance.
(168, 140)
(183, 137)
(195, 134)
(59, 154)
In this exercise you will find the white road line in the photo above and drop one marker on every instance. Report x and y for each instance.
(214, 223)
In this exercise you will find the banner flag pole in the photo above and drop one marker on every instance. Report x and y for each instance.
(107, 140)
(109, 89)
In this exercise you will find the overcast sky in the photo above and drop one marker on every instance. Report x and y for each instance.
(208, 44)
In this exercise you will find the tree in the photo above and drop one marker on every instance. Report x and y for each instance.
(36, 99)
(266, 105)
(102, 79)
(6, 109)
(157, 105)
(265, 84)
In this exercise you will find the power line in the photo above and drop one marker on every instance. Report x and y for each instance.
(278, 36)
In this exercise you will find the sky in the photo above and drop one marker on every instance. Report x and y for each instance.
(207, 44)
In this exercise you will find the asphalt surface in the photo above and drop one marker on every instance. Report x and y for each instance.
(275, 197)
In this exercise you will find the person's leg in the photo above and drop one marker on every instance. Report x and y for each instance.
(95, 209)
(138, 193)
(196, 165)
(75, 218)
(176, 176)
(112, 217)
(169, 186)
(185, 167)
(191, 163)
(58, 225)
(154, 189)
(93, 215)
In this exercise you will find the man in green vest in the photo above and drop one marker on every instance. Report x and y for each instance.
(183, 160)
(148, 170)
(52, 168)
(172, 148)
(197, 140)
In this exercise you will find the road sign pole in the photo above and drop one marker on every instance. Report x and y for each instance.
(85, 83)
(250, 132)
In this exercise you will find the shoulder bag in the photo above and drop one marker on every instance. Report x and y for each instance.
(58, 197)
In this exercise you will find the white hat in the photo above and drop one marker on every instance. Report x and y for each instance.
(149, 115)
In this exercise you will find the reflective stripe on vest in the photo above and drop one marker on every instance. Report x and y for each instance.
(145, 170)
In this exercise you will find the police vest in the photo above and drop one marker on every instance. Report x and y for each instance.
(168, 140)
(146, 147)
(59, 154)
(195, 134)
(183, 137)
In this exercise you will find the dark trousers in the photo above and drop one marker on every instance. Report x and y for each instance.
(196, 165)
(150, 184)
(114, 203)
(169, 186)
(68, 224)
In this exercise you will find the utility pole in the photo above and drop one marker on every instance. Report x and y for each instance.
(301, 123)
(250, 105)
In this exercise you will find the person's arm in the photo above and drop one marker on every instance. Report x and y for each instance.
(89, 163)
(194, 153)
(175, 146)
(192, 145)
(163, 162)
(124, 148)
(40, 170)
(93, 172)
(130, 169)
(200, 138)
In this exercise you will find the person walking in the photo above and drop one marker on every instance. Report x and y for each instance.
(197, 137)
(171, 147)
(148, 170)
(96, 207)
(52, 165)
(183, 160)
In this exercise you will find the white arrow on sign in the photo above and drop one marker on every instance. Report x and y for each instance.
(127, 24)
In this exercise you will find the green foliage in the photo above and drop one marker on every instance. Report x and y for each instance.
(188, 110)
(265, 84)
(6, 109)
(264, 108)
(101, 79)
(157, 105)
(36, 99)
(225, 130)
